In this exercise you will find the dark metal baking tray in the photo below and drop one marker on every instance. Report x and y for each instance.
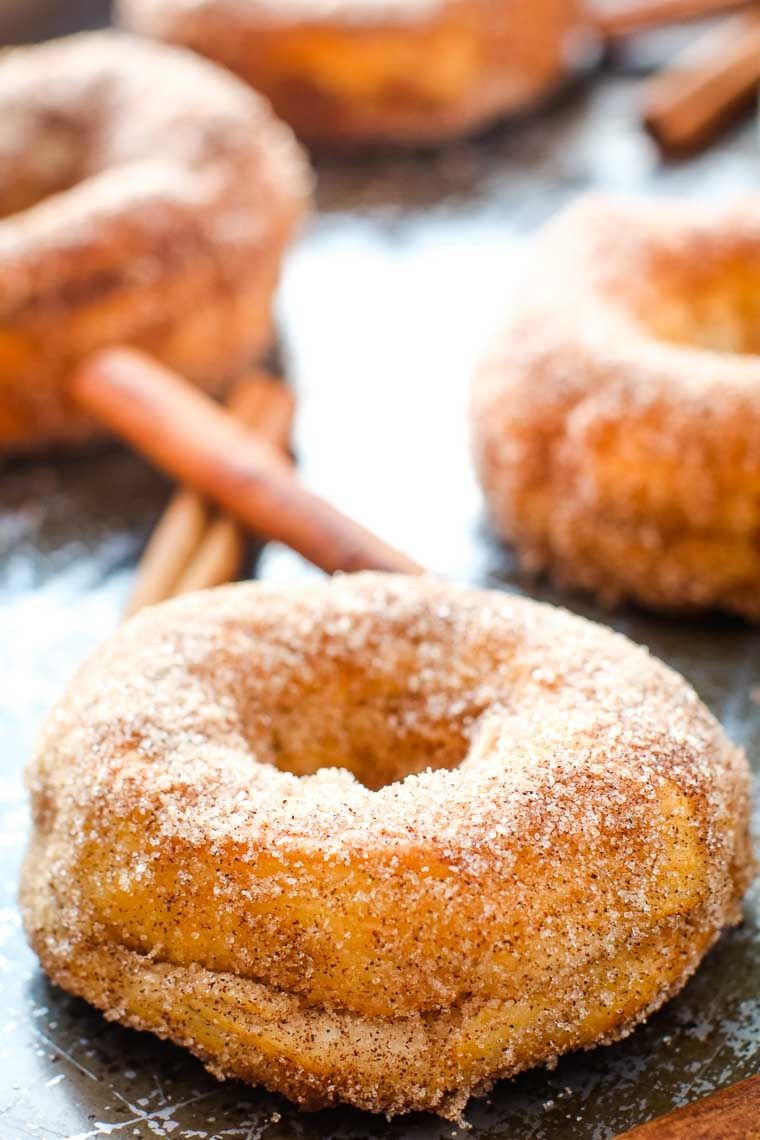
(386, 301)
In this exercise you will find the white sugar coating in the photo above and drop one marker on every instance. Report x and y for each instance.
(616, 422)
(380, 839)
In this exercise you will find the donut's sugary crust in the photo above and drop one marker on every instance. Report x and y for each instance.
(616, 424)
(377, 70)
(145, 197)
(570, 841)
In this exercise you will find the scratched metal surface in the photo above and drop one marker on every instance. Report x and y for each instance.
(385, 304)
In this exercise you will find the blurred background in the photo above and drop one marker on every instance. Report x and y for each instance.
(26, 20)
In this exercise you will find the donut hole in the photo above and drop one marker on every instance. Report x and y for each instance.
(53, 162)
(380, 737)
(717, 309)
(384, 690)
(383, 710)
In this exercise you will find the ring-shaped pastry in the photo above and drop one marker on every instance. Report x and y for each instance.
(379, 840)
(401, 71)
(616, 424)
(130, 212)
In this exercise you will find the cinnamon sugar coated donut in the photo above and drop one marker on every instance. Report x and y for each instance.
(616, 424)
(397, 70)
(382, 839)
(145, 197)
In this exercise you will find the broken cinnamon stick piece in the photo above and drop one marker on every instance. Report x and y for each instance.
(190, 437)
(631, 16)
(172, 544)
(175, 553)
(685, 105)
(732, 1113)
(217, 559)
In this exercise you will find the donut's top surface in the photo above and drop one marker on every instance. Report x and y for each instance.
(628, 276)
(104, 125)
(294, 714)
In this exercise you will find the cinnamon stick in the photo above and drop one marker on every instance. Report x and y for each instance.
(190, 437)
(171, 546)
(217, 559)
(685, 105)
(184, 551)
(261, 402)
(631, 16)
(732, 1113)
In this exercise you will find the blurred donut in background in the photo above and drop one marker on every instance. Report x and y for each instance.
(133, 211)
(402, 71)
(616, 422)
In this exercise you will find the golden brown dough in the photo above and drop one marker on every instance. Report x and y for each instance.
(370, 70)
(226, 851)
(616, 424)
(134, 211)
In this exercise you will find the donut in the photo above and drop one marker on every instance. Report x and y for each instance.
(132, 213)
(616, 422)
(404, 71)
(382, 839)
